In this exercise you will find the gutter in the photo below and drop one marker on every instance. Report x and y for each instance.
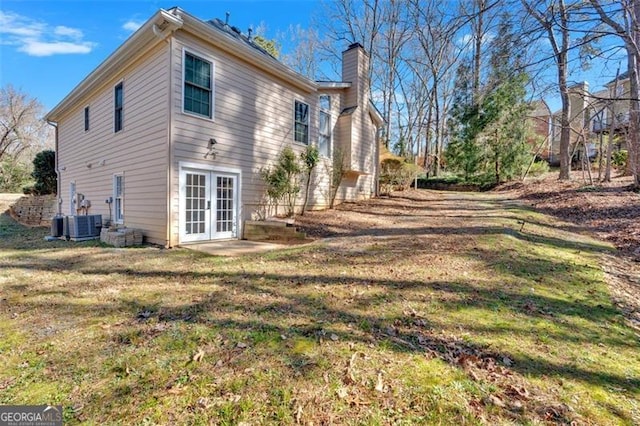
(160, 24)
(57, 168)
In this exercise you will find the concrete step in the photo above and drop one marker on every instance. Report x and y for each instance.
(271, 231)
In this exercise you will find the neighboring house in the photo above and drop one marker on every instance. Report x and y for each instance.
(592, 117)
(539, 118)
(583, 106)
(611, 111)
(170, 132)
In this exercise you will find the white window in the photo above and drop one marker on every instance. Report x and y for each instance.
(324, 139)
(86, 119)
(118, 105)
(197, 88)
(301, 120)
(324, 126)
(325, 103)
(118, 198)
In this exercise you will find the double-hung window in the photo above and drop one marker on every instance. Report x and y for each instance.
(118, 198)
(301, 119)
(118, 104)
(324, 130)
(198, 86)
(86, 119)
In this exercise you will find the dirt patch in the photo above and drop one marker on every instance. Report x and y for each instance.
(608, 212)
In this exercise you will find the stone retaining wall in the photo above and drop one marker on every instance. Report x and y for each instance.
(34, 210)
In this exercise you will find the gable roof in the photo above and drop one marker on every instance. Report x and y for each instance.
(160, 26)
(237, 34)
(622, 76)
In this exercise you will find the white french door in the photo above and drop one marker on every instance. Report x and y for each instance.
(209, 205)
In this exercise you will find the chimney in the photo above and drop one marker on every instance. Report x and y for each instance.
(355, 70)
(577, 105)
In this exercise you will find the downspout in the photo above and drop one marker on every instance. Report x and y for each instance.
(169, 144)
(58, 178)
(376, 180)
(165, 33)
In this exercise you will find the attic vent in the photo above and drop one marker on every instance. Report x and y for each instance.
(236, 30)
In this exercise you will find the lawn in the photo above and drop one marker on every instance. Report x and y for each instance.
(434, 308)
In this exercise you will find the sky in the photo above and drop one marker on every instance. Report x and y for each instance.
(48, 47)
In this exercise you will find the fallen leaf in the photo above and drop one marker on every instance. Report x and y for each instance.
(379, 383)
(197, 357)
(175, 391)
(494, 400)
(517, 392)
(342, 393)
(299, 414)
(334, 337)
(144, 314)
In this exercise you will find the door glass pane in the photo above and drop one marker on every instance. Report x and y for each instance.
(195, 203)
(224, 204)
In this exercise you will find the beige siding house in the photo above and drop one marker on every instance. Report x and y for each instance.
(170, 132)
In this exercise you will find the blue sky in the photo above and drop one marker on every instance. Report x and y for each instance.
(48, 47)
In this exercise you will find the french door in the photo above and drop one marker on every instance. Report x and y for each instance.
(209, 205)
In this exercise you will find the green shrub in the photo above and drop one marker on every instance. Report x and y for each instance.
(282, 179)
(44, 172)
(539, 168)
(14, 175)
(619, 159)
(309, 159)
(396, 175)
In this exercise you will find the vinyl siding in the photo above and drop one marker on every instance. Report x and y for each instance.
(139, 151)
(253, 121)
(358, 133)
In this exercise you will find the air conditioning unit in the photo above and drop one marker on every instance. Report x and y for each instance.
(57, 228)
(84, 227)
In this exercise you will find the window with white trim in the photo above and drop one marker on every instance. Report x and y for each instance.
(325, 103)
(301, 120)
(118, 198)
(324, 126)
(197, 95)
(118, 105)
(86, 119)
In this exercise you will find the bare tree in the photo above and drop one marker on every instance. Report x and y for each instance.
(304, 58)
(23, 132)
(554, 20)
(393, 34)
(434, 57)
(628, 29)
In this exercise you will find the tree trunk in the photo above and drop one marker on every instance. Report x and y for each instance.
(306, 193)
(607, 172)
(633, 136)
(565, 132)
(477, 51)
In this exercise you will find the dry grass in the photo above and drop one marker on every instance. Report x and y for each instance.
(432, 308)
